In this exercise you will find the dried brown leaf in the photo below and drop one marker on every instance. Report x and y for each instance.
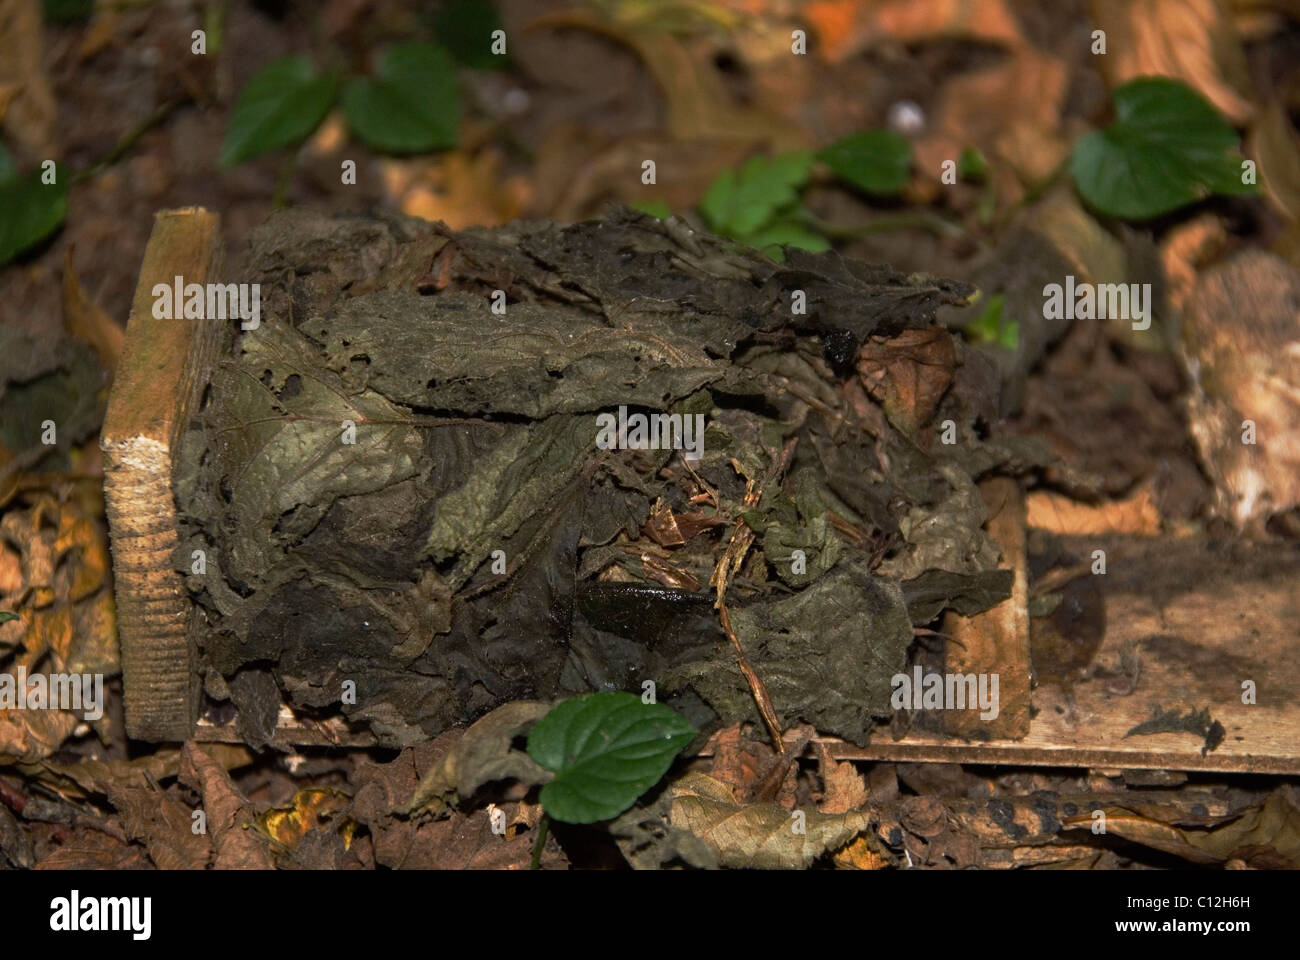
(229, 814)
(762, 835)
(1190, 40)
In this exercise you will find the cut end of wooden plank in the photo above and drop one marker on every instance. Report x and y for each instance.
(159, 377)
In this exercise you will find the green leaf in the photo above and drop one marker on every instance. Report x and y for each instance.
(877, 161)
(279, 107)
(606, 750)
(656, 208)
(972, 165)
(6, 616)
(773, 237)
(1168, 147)
(411, 105)
(465, 28)
(738, 203)
(32, 211)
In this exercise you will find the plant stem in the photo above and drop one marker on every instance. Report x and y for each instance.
(907, 220)
(281, 198)
(542, 826)
(127, 141)
(1032, 193)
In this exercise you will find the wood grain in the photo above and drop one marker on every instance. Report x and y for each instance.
(160, 376)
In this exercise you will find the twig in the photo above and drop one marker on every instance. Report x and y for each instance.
(541, 842)
(128, 141)
(742, 537)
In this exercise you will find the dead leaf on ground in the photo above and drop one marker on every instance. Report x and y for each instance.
(762, 835)
(458, 188)
(846, 27)
(1266, 836)
(229, 815)
(89, 776)
(84, 318)
(90, 849)
(1023, 132)
(165, 826)
(908, 374)
(843, 787)
(1190, 40)
(1137, 514)
(1272, 144)
(311, 809)
(698, 103)
(467, 842)
(30, 116)
(382, 791)
(483, 754)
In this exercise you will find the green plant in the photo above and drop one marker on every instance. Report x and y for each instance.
(760, 204)
(411, 104)
(991, 327)
(33, 209)
(1167, 147)
(605, 749)
(878, 162)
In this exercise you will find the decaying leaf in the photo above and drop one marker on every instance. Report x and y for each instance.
(765, 836)
(435, 436)
(229, 815)
(833, 673)
(483, 754)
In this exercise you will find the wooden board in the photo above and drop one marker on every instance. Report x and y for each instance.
(1204, 617)
(161, 372)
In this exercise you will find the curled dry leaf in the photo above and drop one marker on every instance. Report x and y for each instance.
(84, 318)
(484, 754)
(1190, 40)
(762, 835)
(458, 188)
(165, 827)
(908, 374)
(315, 808)
(229, 814)
(1272, 144)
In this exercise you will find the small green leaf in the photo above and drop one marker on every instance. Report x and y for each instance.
(411, 105)
(738, 203)
(991, 327)
(6, 616)
(772, 238)
(465, 28)
(656, 208)
(972, 164)
(32, 211)
(279, 107)
(606, 750)
(1168, 147)
(877, 161)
